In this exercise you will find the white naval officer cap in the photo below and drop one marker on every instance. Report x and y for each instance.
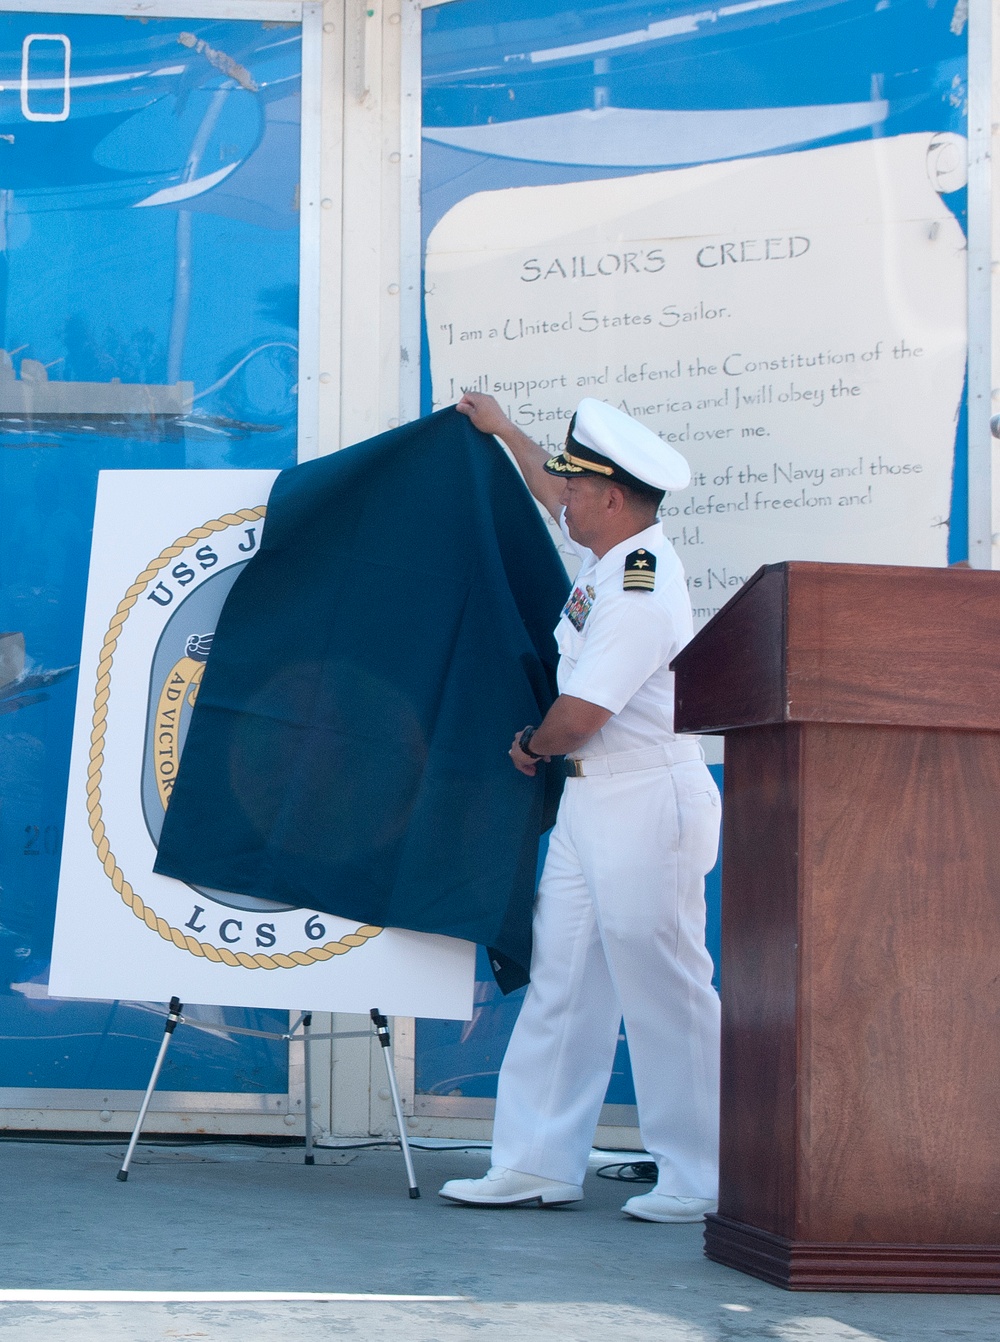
(607, 442)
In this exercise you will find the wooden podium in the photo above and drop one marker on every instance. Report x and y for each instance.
(861, 924)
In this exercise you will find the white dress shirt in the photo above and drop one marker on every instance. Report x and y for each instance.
(615, 646)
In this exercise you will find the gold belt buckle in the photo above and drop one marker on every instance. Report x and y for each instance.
(574, 768)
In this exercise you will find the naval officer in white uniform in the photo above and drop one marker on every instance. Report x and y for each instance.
(619, 928)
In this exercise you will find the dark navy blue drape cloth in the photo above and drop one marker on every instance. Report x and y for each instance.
(348, 748)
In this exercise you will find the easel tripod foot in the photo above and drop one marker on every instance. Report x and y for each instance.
(169, 1026)
(381, 1027)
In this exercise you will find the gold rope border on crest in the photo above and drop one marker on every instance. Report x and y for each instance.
(203, 949)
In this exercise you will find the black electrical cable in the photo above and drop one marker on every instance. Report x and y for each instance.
(627, 1172)
(631, 1172)
(30, 1138)
(392, 1143)
(216, 1139)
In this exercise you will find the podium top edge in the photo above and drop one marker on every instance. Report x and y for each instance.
(868, 573)
(899, 645)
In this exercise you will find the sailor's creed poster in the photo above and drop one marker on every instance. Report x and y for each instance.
(167, 548)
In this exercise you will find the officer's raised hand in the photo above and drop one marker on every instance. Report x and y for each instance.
(486, 415)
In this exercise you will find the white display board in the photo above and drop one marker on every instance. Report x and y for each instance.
(167, 547)
(795, 325)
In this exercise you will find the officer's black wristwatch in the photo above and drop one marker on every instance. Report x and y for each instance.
(524, 743)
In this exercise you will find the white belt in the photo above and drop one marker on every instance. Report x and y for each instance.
(654, 757)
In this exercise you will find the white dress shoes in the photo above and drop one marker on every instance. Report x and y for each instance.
(665, 1207)
(510, 1188)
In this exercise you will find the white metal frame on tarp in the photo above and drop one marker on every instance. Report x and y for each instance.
(211, 1111)
(980, 316)
(309, 229)
(370, 371)
(411, 118)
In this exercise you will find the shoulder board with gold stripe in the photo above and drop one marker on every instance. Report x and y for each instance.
(640, 572)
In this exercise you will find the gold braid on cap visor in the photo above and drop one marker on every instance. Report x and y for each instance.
(566, 461)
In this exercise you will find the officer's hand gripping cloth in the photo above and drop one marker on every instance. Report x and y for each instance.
(348, 748)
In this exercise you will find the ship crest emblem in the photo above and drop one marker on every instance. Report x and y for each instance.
(166, 622)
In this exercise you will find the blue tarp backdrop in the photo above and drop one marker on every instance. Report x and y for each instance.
(531, 93)
(148, 318)
(149, 254)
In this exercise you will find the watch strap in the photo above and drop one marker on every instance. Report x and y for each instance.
(524, 743)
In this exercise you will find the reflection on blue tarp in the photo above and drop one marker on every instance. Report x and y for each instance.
(541, 92)
(526, 94)
(148, 318)
(616, 137)
(111, 1046)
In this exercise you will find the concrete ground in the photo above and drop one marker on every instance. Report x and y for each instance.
(194, 1223)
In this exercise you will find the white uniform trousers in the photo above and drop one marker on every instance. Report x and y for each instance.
(619, 932)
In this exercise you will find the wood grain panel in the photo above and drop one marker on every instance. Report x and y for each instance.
(759, 973)
(895, 646)
(860, 643)
(900, 967)
(732, 673)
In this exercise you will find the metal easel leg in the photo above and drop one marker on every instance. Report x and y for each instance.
(382, 1030)
(307, 1077)
(173, 1017)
